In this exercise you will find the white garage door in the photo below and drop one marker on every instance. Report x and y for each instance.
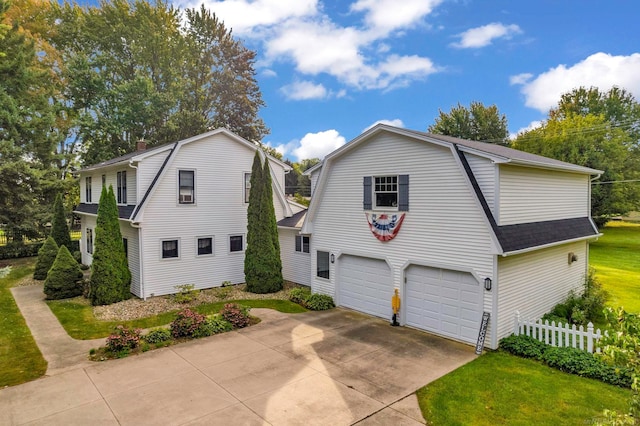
(365, 284)
(443, 301)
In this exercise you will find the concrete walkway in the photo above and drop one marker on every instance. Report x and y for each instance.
(62, 352)
(336, 367)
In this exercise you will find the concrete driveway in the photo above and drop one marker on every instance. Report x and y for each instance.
(336, 367)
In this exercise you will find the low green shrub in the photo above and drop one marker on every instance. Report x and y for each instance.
(581, 363)
(62, 278)
(186, 323)
(299, 295)
(523, 346)
(581, 309)
(212, 325)
(567, 359)
(157, 335)
(123, 339)
(237, 315)
(319, 302)
(186, 293)
(15, 250)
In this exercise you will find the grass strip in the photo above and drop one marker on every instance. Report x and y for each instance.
(20, 358)
(501, 389)
(80, 322)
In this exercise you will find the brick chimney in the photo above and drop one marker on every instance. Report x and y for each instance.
(141, 145)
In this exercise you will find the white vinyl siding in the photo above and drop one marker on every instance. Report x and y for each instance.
(147, 170)
(535, 282)
(296, 267)
(534, 195)
(133, 255)
(444, 226)
(485, 173)
(220, 211)
(314, 181)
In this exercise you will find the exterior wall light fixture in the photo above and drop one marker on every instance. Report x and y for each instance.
(487, 284)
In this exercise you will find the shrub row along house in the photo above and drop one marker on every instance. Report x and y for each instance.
(458, 227)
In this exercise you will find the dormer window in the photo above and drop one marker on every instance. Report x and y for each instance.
(186, 187)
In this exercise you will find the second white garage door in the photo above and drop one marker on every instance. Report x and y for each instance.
(443, 301)
(365, 284)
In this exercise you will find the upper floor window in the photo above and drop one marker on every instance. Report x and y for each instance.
(247, 186)
(122, 187)
(87, 189)
(186, 186)
(302, 244)
(386, 192)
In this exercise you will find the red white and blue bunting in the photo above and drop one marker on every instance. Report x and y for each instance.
(384, 226)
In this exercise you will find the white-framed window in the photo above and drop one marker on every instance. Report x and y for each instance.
(186, 186)
(204, 246)
(236, 243)
(302, 244)
(87, 189)
(247, 186)
(170, 248)
(121, 183)
(322, 264)
(385, 191)
(89, 233)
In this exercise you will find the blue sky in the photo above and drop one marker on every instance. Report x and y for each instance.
(330, 69)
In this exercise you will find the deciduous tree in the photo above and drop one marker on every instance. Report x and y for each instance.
(477, 122)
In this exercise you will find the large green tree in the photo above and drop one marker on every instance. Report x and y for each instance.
(110, 275)
(262, 265)
(476, 122)
(136, 70)
(59, 227)
(27, 137)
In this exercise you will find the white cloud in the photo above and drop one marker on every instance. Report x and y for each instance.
(244, 15)
(483, 36)
(356, 55)
(600, 70)
(317, 145)
(383, 16)
(520, 78)
(302, 90)
(533, 125)
(268, 73)
(396, 122)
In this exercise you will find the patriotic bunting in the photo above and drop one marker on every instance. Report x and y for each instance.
(385, 226)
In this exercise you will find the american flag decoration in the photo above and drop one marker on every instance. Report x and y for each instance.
(384, 226)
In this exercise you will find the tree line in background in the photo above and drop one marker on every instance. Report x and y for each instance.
(588, 127)
(79, 85)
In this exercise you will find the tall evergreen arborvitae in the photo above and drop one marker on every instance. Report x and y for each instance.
(110, 275)
(59, 227)
(46, 256)
(271, 224)
(261, 259)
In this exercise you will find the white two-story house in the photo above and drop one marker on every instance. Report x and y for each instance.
(183, 211)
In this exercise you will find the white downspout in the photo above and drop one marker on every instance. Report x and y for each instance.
(140, 239)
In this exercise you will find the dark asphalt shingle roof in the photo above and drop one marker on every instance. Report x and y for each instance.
(124, 212)
(535, 234)
(294, 221)
(124, 158)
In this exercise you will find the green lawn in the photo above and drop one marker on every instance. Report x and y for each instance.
(80, 323)
(502, 389)
(616, 259)
(20, 358)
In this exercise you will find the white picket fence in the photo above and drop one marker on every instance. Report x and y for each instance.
(559, 334)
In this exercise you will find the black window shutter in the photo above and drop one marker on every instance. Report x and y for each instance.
(366, 195)
(403, 193)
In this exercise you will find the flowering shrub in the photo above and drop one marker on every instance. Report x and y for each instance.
(186, 323)
(123, 338)
(236, 314)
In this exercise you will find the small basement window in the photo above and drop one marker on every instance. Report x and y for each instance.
(236, 243)
(386, 191)
(205, 246)
(170, 249)
(322, 267)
